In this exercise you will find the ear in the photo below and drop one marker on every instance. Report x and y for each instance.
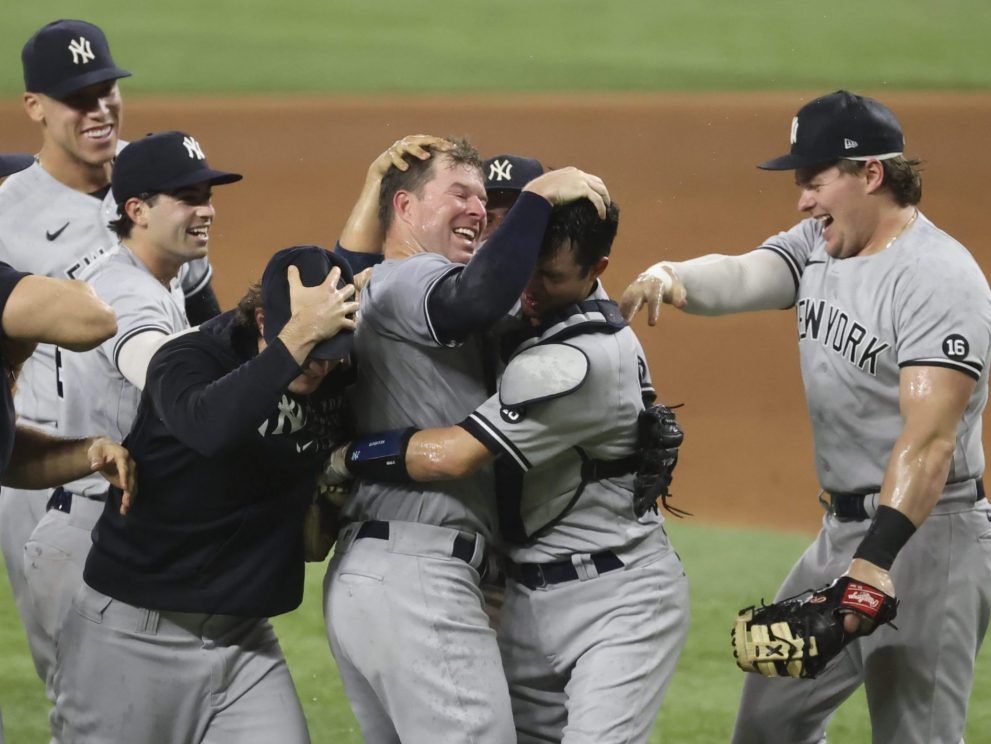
(600, 266)
(402, 203)
(33, 108)
(137, 210)
(260, 320)
(874, 175)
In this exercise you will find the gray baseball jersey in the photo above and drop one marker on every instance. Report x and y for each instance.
(577, 651)
(408, 377)
(94, 397)
(50, 229)
(922, 301)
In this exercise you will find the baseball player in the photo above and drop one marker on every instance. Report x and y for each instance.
(53, 222)
(413, 554)
(235, 420)
(162, 185)
(894, 332)
(596, 608)
(505, 177)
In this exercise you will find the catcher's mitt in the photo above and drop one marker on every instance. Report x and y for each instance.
(797, 637)
(658, 439)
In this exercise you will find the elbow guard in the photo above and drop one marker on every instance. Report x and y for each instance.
(381, 456)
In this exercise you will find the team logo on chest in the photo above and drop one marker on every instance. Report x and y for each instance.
(838, 332)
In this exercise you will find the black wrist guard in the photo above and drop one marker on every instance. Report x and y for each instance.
(381, 456)
(888, 534)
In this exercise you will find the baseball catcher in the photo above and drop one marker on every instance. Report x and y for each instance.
(798, 636)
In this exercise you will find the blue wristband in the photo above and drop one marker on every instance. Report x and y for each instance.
(381, 456)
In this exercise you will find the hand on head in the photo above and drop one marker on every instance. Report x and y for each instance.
(420, 146)
(566, 185)
(323, 310)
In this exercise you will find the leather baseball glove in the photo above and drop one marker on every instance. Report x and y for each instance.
(798, 636)
(323, 521)
(658, 438)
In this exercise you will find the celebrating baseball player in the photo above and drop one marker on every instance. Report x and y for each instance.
(404, 611)
(894, 332)
(53, 221)
(162, 185)
(235, 421)
(596, 608)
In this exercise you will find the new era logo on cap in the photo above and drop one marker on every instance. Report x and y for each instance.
(840, 125)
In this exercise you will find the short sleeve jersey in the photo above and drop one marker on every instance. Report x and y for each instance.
(8, 280)
(408, 377)
(547, 440)
(94, 397)
(53, 230)
(921, 301)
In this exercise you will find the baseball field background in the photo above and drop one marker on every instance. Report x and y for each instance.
(671, 102)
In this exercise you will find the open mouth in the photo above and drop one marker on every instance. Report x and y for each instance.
(468, 234)
(202, 232)
(824, 220)
(98, 133)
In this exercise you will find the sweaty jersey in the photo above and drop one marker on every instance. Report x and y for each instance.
(578, 398)
(94, 397)
(921, 301)
(408, 377)
(50, 229)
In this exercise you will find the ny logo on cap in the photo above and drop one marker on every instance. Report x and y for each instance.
(81, 50)
(500, 170)
(193, 148)
(794, 130)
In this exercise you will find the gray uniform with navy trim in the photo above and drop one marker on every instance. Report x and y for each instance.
(587, 660)
(94, 398)
(49, 229)
(921, 301)
(405, 621)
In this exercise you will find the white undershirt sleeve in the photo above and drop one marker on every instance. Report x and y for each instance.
(136, 353)
(719, 285)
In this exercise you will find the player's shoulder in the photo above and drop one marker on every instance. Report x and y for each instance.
(930, 255)
(543, 372)
(402, 280)
(118, 271)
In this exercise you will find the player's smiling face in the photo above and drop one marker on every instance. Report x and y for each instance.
(448, 215)
(83, 127)
(557, 282)
(840, 202)
(178, 222)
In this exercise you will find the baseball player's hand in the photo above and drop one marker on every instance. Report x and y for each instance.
(566, 185)
(417, 145)
(113, 462)
(318, 312)
(657, 285)
(867, 572)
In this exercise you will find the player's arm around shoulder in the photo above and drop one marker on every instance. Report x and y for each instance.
(66, 312)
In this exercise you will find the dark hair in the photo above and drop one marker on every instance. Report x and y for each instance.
(420, 172)
(244, 313)
(123, 225)
(590, 237)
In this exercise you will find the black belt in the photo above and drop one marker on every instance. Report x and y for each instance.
(464, 547)
(536, 575)
(60, 500)
(849, 507)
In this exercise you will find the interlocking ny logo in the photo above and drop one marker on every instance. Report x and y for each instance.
(794, 130)
(193, 148)
(81, 50)
(500, 170)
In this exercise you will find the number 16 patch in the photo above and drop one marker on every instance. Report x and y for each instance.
(956, 347)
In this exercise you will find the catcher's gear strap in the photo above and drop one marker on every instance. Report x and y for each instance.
(888, 534)
(590, 316)
(542, 373)
(381, 456)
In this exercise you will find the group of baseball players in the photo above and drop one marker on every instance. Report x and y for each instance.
(456, 375)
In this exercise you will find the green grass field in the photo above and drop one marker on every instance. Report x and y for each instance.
(728, 568)
(375, 46)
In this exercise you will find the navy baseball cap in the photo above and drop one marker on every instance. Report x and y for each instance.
(66, 55)
(163, 162)
(314, 263)
(14, 162)
(841, 125)
(510, 172)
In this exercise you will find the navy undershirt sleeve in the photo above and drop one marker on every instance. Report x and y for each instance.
(490, 284)
(210, 414)
(9, 277)
(357, 261)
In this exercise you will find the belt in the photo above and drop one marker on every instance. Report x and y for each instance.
(858, 507)
(537, 575)
(61, 500)
(464, 547)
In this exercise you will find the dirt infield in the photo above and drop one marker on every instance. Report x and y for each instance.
(682, 169)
